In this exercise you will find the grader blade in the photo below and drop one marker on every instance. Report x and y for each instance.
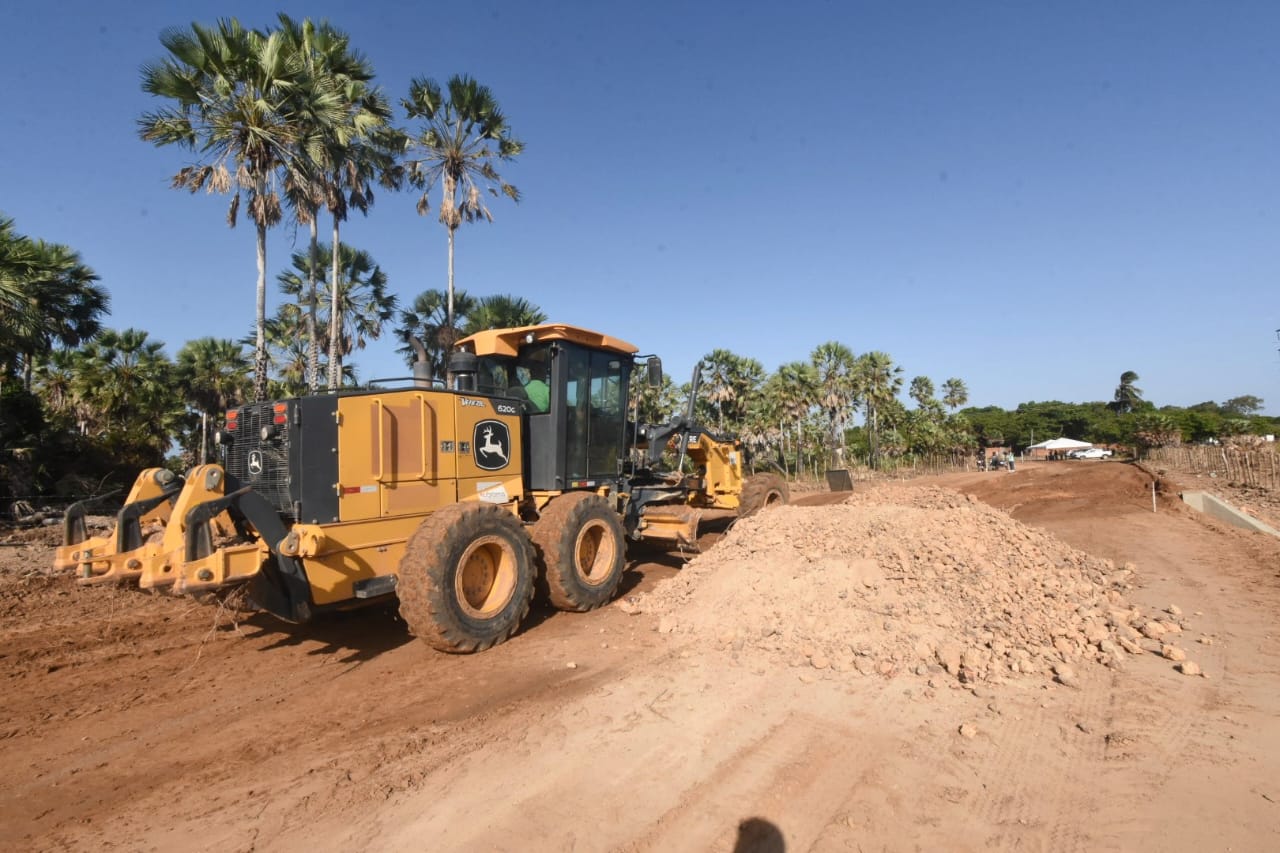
(114, 558)
(676, 523)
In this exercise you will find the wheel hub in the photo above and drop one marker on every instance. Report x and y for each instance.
(486, 577)
(594, 553)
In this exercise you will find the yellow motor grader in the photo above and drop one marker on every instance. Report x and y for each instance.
(460, 501)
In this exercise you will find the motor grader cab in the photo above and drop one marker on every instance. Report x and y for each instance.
(458, 501)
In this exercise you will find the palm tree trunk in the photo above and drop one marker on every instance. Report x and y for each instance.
(449, 310)
(313, 346)
(875, 438)
(782, 447)
(260, 350)
(799, 445)
(448, 341)
(335, 317)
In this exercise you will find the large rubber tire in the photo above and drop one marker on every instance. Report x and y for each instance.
(762, 492)
(581, 551)
(466, 578)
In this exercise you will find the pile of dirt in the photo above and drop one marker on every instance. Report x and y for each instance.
(907, 579)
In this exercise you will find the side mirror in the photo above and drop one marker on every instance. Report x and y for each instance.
(654, 366)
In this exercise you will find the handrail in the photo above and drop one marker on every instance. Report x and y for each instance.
(426, 407)
(436, 384)
(377, 401)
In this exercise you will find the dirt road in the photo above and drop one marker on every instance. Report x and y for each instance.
(133, 722)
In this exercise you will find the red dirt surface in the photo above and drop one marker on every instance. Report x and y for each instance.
(141, 722)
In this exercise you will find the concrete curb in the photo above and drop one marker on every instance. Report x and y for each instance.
(1223, 511)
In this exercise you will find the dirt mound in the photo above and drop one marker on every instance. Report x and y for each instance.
(903, 578)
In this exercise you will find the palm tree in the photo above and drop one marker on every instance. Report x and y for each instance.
(461, 139)
(52, 299)
(1128, 396)
(954, 393)
(213, 375)
(717, 381)
(341, 152)
(351, 186)
(879, 381)
(127, 382)
(427, 320)
(304, 184)
(795, 387)
(56, 381)
(288, 353)
(502, 311)
(729, 383)
(130, 399)
(650, 405)
(834, 363)
(364, 305)
(236, 95)
(921, 390)
(17, 263)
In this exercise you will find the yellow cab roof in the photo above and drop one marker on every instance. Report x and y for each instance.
(509, 341)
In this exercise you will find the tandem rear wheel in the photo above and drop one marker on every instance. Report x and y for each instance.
(581, 551)
(466, 578)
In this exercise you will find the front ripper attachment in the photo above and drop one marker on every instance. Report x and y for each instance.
(115, 557)
(159, 564)
(270, 565)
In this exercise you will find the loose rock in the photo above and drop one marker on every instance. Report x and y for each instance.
(903, 579)
(1066, 676)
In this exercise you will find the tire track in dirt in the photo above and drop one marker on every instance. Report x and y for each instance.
(771, 752)
(791, 776)
(1033, 764)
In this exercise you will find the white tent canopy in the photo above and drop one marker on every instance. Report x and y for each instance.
(1060, 444)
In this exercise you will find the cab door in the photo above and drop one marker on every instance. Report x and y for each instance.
(594, 416)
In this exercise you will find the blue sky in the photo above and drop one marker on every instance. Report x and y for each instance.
(1031, 197)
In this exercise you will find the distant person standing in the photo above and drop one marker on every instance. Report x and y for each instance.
(1008, 459)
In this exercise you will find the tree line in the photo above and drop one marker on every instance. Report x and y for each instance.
(82, 405)
(1127, 420)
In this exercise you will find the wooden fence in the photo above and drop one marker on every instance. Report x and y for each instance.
(1260, 468)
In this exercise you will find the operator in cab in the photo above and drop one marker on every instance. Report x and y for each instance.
(532, 373)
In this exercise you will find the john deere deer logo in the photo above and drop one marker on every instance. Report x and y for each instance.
(493, 445)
